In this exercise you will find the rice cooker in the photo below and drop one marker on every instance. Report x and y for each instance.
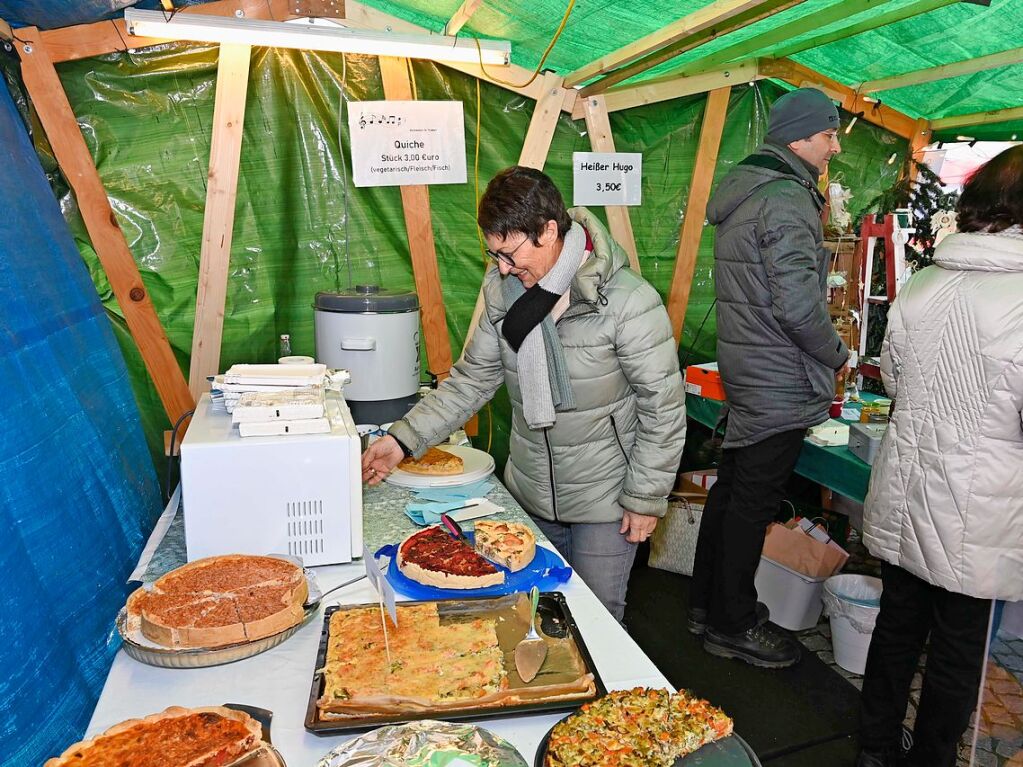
(374, 334)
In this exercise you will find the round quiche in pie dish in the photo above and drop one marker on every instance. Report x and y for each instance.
(220, 601)
(434, 558)
(196, 737)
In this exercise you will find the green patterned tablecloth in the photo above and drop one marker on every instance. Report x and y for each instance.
(383, 521)
(832, 467)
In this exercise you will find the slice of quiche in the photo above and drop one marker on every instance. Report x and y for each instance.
(510, 544)
(435, 462)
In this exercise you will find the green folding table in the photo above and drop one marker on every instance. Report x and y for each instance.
(832, 467)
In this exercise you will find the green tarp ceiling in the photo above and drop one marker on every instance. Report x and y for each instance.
(950, 32)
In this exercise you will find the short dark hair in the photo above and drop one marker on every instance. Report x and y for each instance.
(520, 199)
(992, 199)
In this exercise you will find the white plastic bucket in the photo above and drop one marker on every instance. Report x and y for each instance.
(794, 599)
(852, 603)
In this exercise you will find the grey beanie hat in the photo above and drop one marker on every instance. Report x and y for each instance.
(800, 114)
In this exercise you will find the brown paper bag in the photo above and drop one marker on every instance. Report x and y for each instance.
(788, 545)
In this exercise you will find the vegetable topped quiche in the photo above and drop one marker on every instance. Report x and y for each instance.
(641, 727)
(428, 663)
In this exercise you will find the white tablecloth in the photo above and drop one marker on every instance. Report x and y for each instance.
(280, 679)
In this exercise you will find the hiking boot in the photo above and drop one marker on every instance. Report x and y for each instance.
(762, 646)
(696, 618)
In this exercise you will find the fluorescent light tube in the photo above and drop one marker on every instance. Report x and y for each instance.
(276, 34)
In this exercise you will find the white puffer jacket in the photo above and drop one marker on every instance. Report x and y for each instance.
(946, 492)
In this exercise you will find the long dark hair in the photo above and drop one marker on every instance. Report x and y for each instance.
(520, 199)
(992, 199)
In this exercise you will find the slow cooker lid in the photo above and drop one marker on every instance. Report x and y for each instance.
(367, 299)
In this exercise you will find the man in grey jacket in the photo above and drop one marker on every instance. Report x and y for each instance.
(778, 355)
(585, 347)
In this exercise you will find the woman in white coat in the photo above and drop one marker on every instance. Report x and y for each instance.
(945, 508)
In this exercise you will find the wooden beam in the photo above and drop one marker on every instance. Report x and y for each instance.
(977, 118)
(753, 45)
(874, 22)
(943, 72)
(667, 88)
(415, 202)
(543, 123)
(599, 127)
(761, 11)
(360, 15)
(461, 16)
(698, 23)
(851, 101)
(218, 218)
(696, 208)
(83, 41)
(72, 153)
(920, 139)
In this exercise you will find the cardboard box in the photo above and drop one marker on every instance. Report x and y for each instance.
(705, 381)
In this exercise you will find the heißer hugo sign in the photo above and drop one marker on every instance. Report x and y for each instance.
(398, 143)
(607, 178)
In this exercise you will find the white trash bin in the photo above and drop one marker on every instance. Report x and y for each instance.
(852, 602)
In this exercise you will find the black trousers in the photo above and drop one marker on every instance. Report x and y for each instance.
(910, 609)
(741, 504)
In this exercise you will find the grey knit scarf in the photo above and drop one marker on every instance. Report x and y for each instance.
(543, 373)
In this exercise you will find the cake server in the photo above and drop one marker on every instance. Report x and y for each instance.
(531, 651)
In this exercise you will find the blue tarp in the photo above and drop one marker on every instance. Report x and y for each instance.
(78, 492)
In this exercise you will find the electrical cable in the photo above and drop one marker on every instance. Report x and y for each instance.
(170, 458)
(479, 232)
(543, 58)
(344, 175)
(696, 338)
(412, 79)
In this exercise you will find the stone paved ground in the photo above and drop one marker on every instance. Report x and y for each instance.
(1000, 740)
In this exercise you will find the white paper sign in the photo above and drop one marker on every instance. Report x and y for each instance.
(380, 583)
(607, 178)
(397, 143)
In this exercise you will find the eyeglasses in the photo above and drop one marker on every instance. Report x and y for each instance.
(506, 257)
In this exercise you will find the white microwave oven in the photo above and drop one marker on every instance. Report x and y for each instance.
(296, 494)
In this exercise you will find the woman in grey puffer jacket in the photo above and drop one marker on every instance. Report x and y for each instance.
(586, 349)
(945, 506)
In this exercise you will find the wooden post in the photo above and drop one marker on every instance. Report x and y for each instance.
(47, 94)
(598, 125)
(461, 16)
(218, 220)
(696, 208)
(415, 201)
(543, 123)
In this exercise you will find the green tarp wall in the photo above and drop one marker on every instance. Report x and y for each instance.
(147, 120)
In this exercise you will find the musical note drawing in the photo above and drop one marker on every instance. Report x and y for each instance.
(371, 118)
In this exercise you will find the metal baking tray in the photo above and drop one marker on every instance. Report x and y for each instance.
(556, 621)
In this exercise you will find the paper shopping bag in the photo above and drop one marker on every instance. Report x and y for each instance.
(788, 545)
